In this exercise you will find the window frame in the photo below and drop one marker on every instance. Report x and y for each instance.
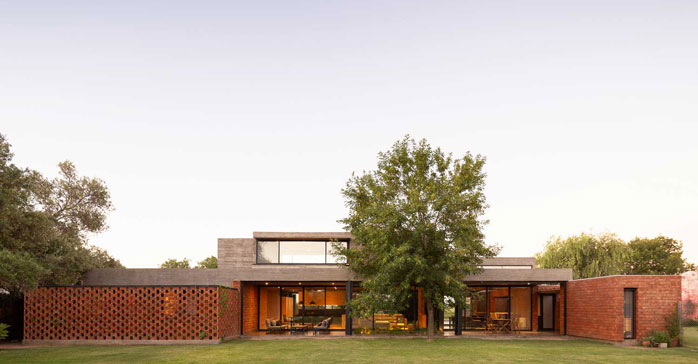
(278, 252)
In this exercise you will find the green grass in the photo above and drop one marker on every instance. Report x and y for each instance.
(411, 350)
(690, 337)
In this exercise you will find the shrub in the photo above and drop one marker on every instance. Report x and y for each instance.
(3, 331)
(655, 337)
(673, 324)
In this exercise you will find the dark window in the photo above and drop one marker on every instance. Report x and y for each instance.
(629, 314)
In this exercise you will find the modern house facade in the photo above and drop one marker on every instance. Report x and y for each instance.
(286, 281)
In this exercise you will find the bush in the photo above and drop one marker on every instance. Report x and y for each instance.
(673, 324)
(3, 331)
(656, 337)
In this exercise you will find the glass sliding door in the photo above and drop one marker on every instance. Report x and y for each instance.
(547, 312)
(475, 310)
(291, 298)
(335, 308)
(497, 303)
(629, 313)
(498, 299)
(314, 305)
(521, 307)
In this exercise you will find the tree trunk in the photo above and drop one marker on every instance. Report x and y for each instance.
(430, 319)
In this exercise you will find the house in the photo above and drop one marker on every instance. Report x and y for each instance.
(289, 281)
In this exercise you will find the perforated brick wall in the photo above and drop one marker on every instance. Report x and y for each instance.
(142, 313)
(595, 305)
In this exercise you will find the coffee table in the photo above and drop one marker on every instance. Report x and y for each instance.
(300, 327)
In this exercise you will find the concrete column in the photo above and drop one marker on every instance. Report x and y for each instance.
(459, 322)
(348, 329)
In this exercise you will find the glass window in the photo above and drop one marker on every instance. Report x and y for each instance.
(335, 307)
(629, 314)
(331, 256)
(475, 312)
(521, 307)
(314, 305)
(291, 298)
(267, 252)
(499, 303)
(306, 252)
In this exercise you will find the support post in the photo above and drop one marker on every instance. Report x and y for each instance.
(459, 322)
(348, 329)
(564, 286)
(242, 317)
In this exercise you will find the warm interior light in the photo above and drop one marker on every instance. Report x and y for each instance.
(266, 283)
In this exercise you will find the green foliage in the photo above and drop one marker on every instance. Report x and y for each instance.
(599, 255)
(19, 271)
(660, 255)
(588, 255)
(656, 337)
(418, 219)
(208, 263)
(44, 225)
(4, 332)
(174, 263)
(672, 324)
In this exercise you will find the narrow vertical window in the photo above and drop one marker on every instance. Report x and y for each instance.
(629, 314)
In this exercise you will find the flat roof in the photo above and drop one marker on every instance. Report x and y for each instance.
(530, 261)
(522, 275)
(266, 235)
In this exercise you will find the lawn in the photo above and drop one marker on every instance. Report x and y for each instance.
(359, 351)
(690, 337)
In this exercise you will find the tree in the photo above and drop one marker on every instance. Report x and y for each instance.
(588, 255)
(660, 255)
(45, 224)
(417, 218)
(208, 263)
(174, 263)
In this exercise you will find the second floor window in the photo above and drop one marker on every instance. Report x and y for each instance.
(297, 252)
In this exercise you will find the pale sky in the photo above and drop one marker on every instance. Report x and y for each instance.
(217, 119)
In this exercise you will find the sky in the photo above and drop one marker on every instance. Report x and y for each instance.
(214, 119)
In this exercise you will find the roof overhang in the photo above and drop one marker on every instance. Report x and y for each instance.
(536, 275)
(264, 235)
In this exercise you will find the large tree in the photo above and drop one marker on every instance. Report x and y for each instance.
(45, 225)
(660, 255)
(418, 220)
(588, 255)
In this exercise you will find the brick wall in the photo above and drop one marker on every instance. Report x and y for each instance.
(228, 312)
(131, 314)
(595, 306)
(250, 305)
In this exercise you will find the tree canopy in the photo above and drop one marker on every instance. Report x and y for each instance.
(45, 225)
(605, 254)
(177, 264)
(417, 218)
(207, 263)
(588, 255)
(660, 255)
